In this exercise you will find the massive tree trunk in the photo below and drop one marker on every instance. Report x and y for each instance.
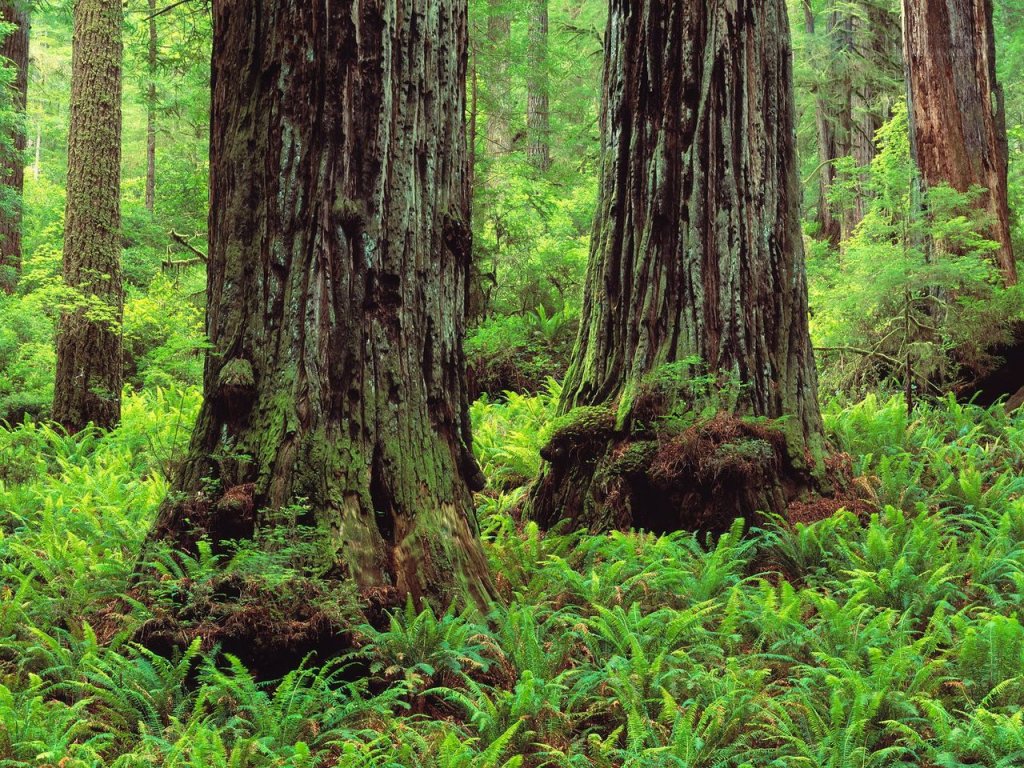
(12, 169)
(89, 365)
(538, 121)
(151, 111)
(336, 302)
(957, 115)
(697, 252)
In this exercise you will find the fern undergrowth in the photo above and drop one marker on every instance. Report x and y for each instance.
(850, 643)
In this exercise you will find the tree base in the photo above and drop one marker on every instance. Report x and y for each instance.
(701, 479)
(274, 587)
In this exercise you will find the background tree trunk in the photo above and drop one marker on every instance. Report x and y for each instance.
(878, 84)
(957, 115)
(857, 55)
(538, 123)
(89, 365)
(151, 111)
(499, 30)
(828, 224)
(12, 172)
(337, 287)
(697, 252)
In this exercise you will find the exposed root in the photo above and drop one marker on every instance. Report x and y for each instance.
(700, 479)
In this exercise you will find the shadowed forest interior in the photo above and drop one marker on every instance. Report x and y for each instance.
(497, 383)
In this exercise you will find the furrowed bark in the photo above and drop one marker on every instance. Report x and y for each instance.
(337, 287)
(12, 168)
(538, 121)
(697, 252)
(957, 114)
(89, 364)
(151, 111)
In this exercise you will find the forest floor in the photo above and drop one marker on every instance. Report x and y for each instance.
(891, 638)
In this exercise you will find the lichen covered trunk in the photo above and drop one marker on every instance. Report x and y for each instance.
(958, 118)
(336, 301)
(12, 164)
(89, 364)
(697, 253)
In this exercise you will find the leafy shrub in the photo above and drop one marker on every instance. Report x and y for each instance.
(517, 353)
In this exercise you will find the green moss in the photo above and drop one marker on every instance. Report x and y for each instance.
(583, 423)
(748, 450)
(237, 372)
(635, 459)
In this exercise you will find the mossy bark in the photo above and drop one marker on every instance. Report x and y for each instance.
(957, 111)
(89, 364)
(697, 248)
(12, 166)
(337, 286)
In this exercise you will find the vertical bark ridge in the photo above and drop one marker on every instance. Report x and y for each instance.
(538, 126)
(151, 111)
(89, 364)
(337, 279)
(697, 248)
(957, 115)
(12, 168)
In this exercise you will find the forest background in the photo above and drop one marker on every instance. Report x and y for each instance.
(885, 636)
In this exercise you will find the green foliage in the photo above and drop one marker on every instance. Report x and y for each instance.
(886, 307)
(518, 353)
(890, 641)
(509, 434)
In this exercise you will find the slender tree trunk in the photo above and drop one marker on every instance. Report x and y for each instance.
(337, 279)
(828, 225)
(697, 252)
(89, 365)
(538, 122)
(499, 28)
(957, 114)
(39, 150)
(12, 172)
(478, 299)
(876, 42)
(151, 112)
(860, 73)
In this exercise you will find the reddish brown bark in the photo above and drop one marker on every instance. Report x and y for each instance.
(958, 122)
(151, 111)
(538, 122)
(12, 167)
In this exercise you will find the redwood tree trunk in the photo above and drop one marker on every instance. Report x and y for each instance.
(151, 112)
(12, 172)
(499, 28)
(697, 252)
(860, 73)
(958, 122)
(89, 365)
(538, 127)
(337, 287)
